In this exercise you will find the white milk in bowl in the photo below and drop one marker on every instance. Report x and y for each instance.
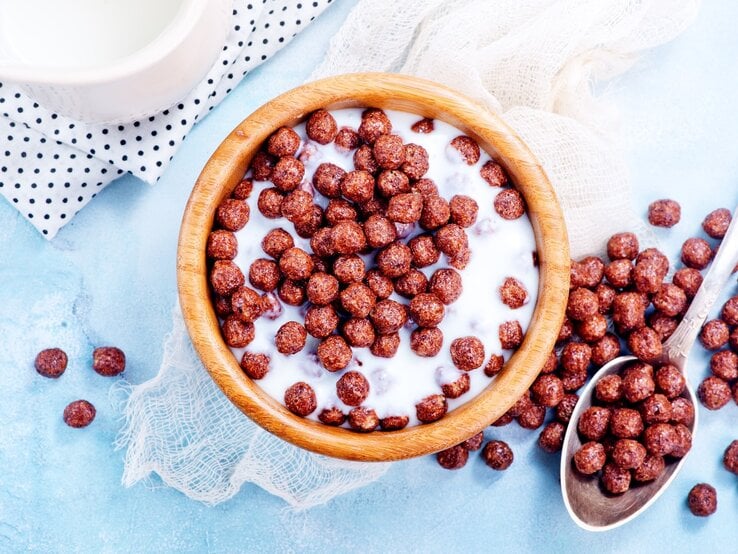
(80, 34)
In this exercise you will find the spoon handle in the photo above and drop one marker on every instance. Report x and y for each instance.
(677, 347)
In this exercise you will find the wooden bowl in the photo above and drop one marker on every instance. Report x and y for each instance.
(226, 168)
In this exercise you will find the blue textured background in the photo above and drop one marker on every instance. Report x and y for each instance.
(109, 278)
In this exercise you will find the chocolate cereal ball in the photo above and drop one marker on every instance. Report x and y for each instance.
(467, 353)
(424, 126)
(290, 338)
(357, 299)
(232, 214)
(593, 422)
(426, 342)
(423, 251)
(688, 279)
(283, 142)
(363, 420)
(509, 204)
(394, 260)
(405, 208)
(350, 269)
(566, 407)
(413, 283)
(575, 357)
(513, 293)
(587, 272)
(431, 408)
(730, 458)
(609, 389)
(714, 334)
(243, 189)
(615, 480)
(660, 439)
(321, 127)
(385, 346)
(453, 458)
(467, 147)
(628, 454)
(256, 366)
(276, 241)
(670, 300)
(552, 437)
(388, 316)
(296, 264)
(702, 500)
(547, 390)
(321, 321)
(510, 335)
(446, 284)
(494, 174)
(582, 304)
(494, 365)
(729, 313)
(359, 332)
(638, 382)
(392, 182)
(332, 416)
(645, 344)
(724, 364)
(287, 174)
(381, 286)
(714, 393)
(626, 423)
(237, 333)
(590, 458)
(327, 179)
(334, 353)
(364, 160)
(322, 288)
(497, 455)
(247, 304)
(79, 413)
(664, 213)
(427, 310)
(270, 203)
(655, 409)
(51, 362)
(262, 165)
(532, 417)
(358, 186)
(619, 273)
(629, 312)
(717, 222)
(682, 411)
(622, 246)
(264, 274)
(451, 240)
(436, 212)
(379, 231)
(662, 324)
(605, 297)
(222, 245)
(347, 237)
(416, 161)
(394, 423)
(683, 443)
(292, 293)
(225, 277)
(464, 210)
(300, 399)
(389, 151)
(474, 443)
(458, 387)
(650, 469)
(593, 328)
(605, 349)
(374, 123)
(352, 388)
(696, 253)
(670, 381)
(108, 361)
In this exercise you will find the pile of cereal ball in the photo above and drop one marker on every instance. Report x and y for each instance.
(107, 361)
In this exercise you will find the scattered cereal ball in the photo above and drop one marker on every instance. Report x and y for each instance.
(416, 161)
(221, 245)
(262, 165)
(426, 342)
(717, 222)
(108, 361)
(388, 316)
(688, 279)
(237, 333)
(670, 381)
(426, 187)
(436, 212)
(451, 239)
(394, 260)
(334, 353)
(696, 253)
(446, 284)
(593, 328)
(389, 151)
(321, 321)
(566, 331)
(724, 364)
(714, 334)
(575, 357)
(670, 300)
(467, 147)
(509, 204)
(645, 344)
(321, 127)
(494, 174)
(426, 310)
(467, 353)
(566, 407)
(232, 214)
(664, 213)
(714, 393)
(385, 346)
(381, 286)
(222, 306)
(270, 203)
(473, 443)
(364, 160)
(614, 479)
(352, 388)
(730, 458)
(510, 334)
(683, 443)
(453, 458)
(605, 297)
(297, 206)
(276, 241)
(655, 409)
(590, 458)
(287, 174)
(290, 338)
(332, 416)
(638, 383)
(424, 126)
(650, 469)
(628, 454)
(256, 366)
(292, 293)
(622, 246)
(347, 237)
(246, 304)
(79, 413)
(358, 186)
(405, 208)
(243, 189)
(702, 500)
(363, 420)
(573, 381)
(494, 365)
(662, 324)
(225, 277)
(648, 276)
(532, 417)
(626, 423)
(729, 313)
(582, 304)
(300, 399)
(431, 408)
(322, 289)
(547, 390)
(619, 273)
(347, 139)
(357, 299)
(464, 210)
(327, 179)
(682, 411)
(51, 362)
(609, 388)
(552, 437)
(497, 455)
(264, 274)
(394, 423)
(411, 284)
(392, 182)
(283, 142)
(629, 312)
(513, 293)
(296, 264)
(587, 272)
(605, 349)
(350, 269)
(374, 123)
(659, 439)
(593, 422)
(458, 387)
(379, 231)
(359, 332)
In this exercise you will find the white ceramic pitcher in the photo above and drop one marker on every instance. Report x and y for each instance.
(110, 61)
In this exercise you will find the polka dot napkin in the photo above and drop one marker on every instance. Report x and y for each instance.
(51, 166)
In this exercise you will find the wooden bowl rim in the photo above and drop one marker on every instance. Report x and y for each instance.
(225, 169)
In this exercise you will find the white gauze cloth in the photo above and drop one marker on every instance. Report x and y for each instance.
(532, 61)
(51, 166)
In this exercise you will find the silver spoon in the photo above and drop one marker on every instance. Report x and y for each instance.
(588, 506)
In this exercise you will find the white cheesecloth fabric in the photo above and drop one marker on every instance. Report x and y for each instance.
(532, 61)
(51, 166)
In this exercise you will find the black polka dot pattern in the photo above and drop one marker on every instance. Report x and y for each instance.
(51, 166)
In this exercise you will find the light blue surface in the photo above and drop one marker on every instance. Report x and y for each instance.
(109, 278)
